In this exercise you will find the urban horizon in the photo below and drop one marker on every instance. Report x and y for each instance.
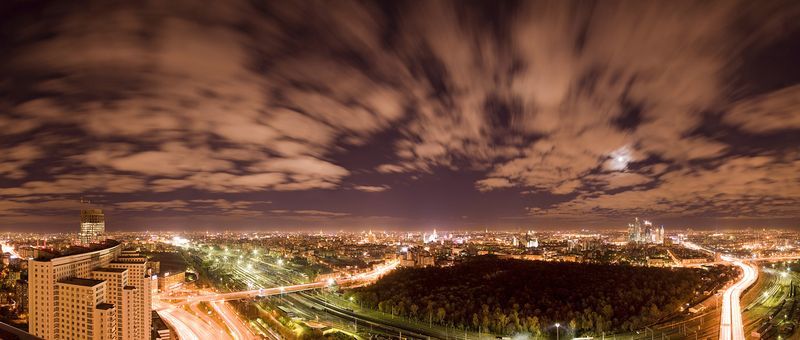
(395, 115)
(399, 170)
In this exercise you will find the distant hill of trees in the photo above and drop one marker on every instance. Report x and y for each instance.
(511, 296)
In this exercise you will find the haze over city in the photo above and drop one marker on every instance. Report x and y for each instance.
(399, 115)
(398, 170)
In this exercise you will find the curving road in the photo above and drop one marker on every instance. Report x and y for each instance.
(238, 329)
(198, 312)
(731, 326)
(187, 325)
(183, 330)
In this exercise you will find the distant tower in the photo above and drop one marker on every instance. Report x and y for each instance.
(93, 225)
(634, 231)
(429, 239)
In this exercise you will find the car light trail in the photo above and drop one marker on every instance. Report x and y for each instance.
(184, 332)
(370, 276)
(731, 327)
(201, 314)
(238, 330)
(187, 324)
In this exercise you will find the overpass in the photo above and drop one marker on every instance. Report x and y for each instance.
(348, 281)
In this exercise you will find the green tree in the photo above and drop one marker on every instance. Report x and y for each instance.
(440, 314)
(534, 327)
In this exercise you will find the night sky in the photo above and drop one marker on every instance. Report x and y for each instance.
(264, 115)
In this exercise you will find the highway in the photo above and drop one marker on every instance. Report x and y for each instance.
(184, 332)
(353, 280)
(731, 326)
(187, 325)
(200, 313)
(199, 325)
(238, 329)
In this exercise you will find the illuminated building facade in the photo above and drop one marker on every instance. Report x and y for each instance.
(98, 294)
(643, 231)
(93, 225)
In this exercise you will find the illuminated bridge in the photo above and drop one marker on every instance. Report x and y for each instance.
(350, 281)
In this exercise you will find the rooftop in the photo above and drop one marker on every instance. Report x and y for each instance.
(78, 281)
(111, 270)
(10, 332)
(75, 250)
(104, 306)
(130, 261)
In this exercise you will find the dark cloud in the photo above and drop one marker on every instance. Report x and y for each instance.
(683, 111)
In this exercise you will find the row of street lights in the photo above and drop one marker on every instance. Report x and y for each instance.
(557, 324)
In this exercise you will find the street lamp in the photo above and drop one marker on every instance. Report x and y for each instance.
(558, 325)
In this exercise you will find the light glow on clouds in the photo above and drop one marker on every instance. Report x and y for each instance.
(397, 114)
(619, 159)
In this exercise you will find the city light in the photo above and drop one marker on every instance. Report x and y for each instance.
(242, 170)
(179, 242)
(8, 249)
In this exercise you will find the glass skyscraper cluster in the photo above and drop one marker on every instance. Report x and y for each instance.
(643, 231)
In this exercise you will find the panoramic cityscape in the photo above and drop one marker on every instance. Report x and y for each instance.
(360, 170)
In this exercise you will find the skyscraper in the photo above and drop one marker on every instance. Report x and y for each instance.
(649, 233)
(140, 281)
(643, 231)
(635, 231)
(93, 225)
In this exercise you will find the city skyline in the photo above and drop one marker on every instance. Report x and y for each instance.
(403, 169)
(399, 115)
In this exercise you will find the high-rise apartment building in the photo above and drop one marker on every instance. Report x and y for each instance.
(95, 294)
(120, 294)
(93, 225)
(140, 280)
(81, 311)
